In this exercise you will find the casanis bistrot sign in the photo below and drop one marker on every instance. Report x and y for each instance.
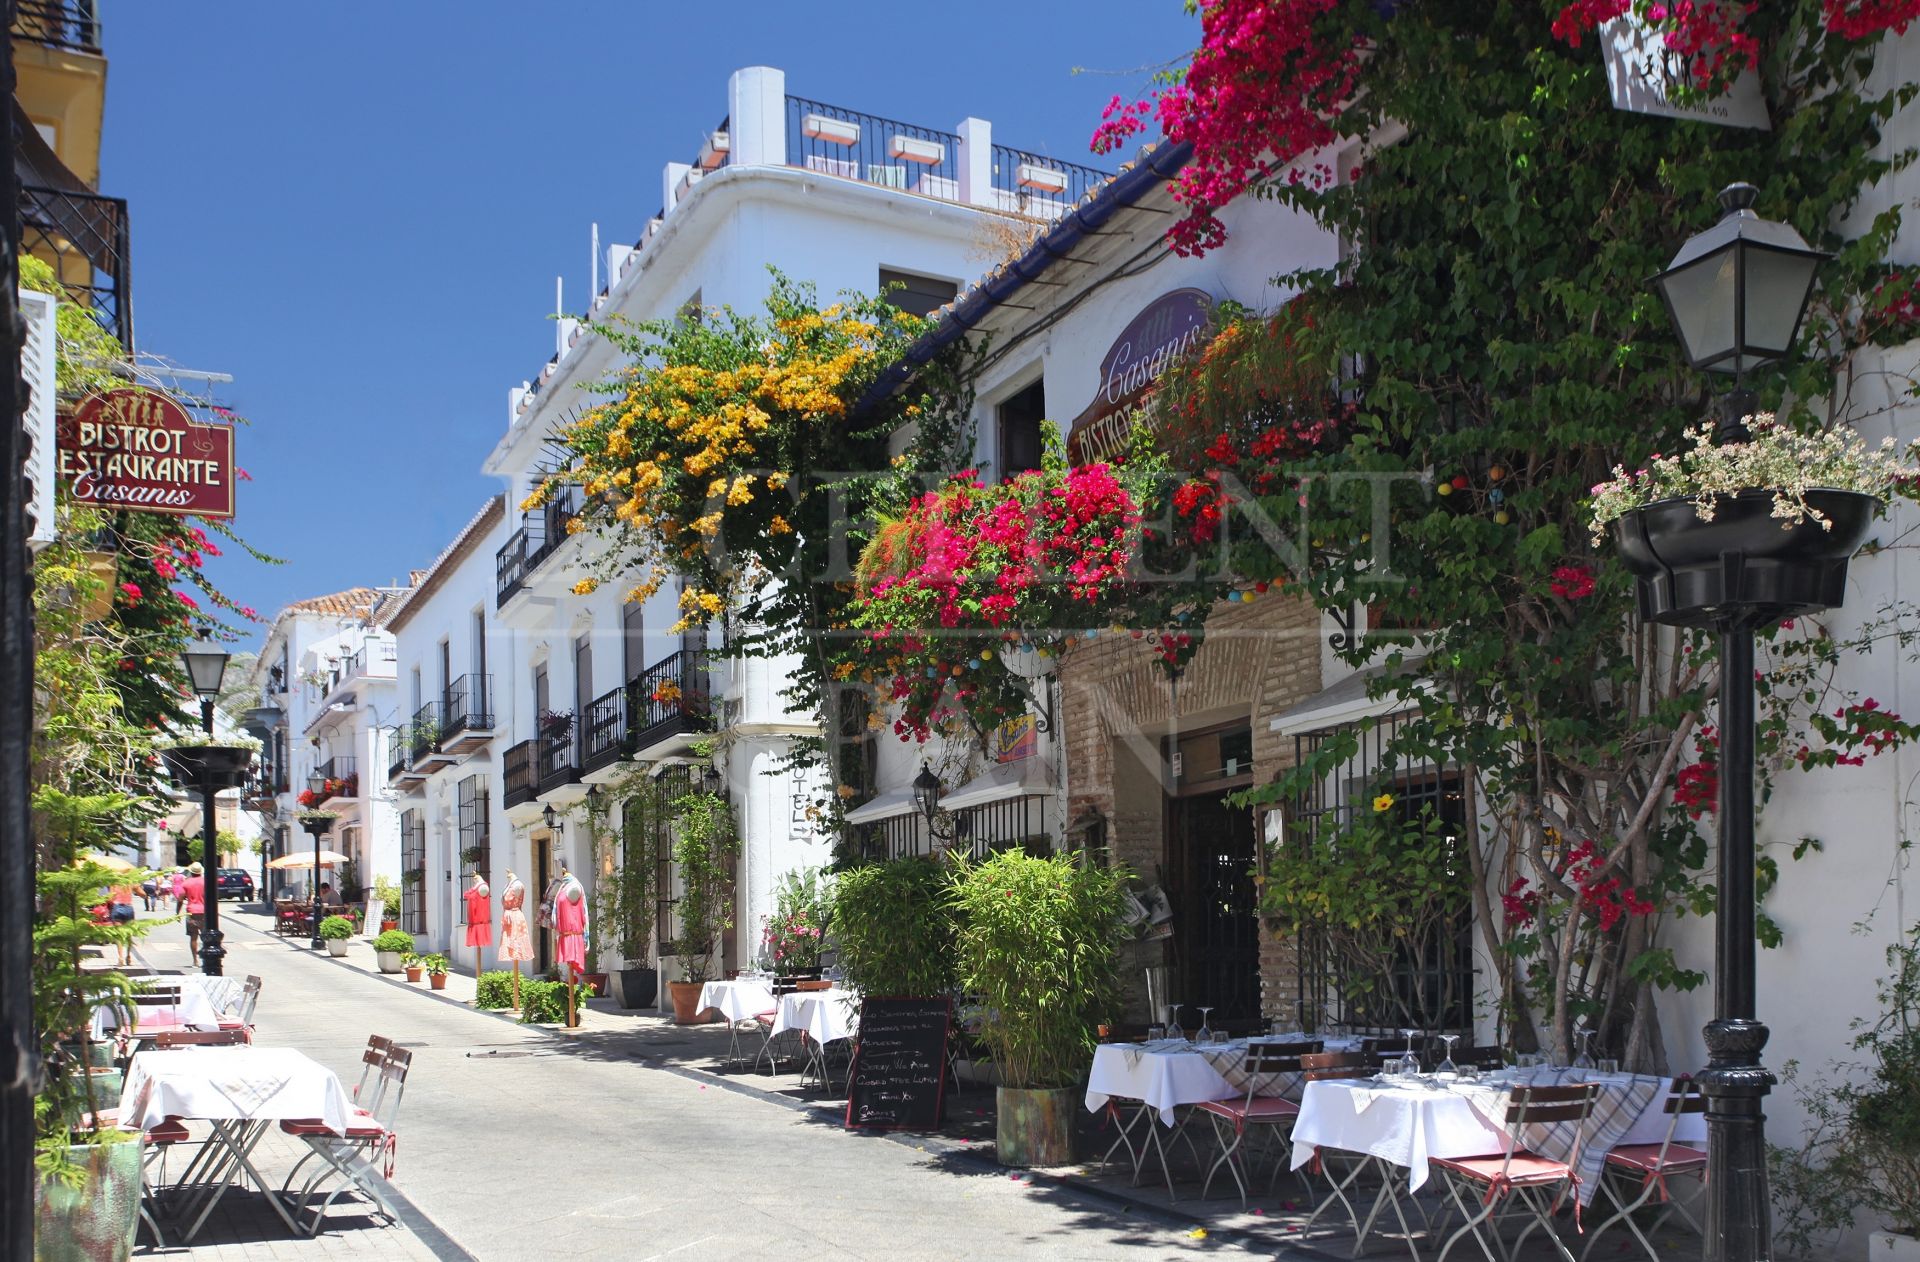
(138, 449)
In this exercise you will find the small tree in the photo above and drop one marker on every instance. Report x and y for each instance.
(705, 848)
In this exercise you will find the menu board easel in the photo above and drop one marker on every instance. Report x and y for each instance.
(899, 1074)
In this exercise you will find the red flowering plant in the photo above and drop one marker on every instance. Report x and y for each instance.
(794, 934)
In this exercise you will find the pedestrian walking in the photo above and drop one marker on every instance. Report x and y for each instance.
(192, 895)
(149, 889)
(120, 912)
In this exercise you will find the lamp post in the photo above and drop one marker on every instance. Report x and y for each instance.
(926, 795)
(1737, 293)
(317, 826)
(206, 667)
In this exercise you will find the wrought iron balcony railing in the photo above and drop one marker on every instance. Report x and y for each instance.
(517, 773)
(467, 706)
(67, 24)
(607, 738)
(424, 735)
(541, 533)
(83, 236)
(670, 697)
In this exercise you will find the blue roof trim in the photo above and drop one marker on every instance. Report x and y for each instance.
(1122, 191)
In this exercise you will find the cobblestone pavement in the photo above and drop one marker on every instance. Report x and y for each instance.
(520, 1142)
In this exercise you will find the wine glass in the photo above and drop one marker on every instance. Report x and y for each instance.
(1585, 1059)
(1446, 1070)
(1410, 1061)
(1205, 1034)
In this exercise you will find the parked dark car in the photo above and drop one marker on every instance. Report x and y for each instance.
(236, 883)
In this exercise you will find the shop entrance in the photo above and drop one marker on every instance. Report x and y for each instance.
(1209, 872)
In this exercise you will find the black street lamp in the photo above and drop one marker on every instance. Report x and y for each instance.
(206, 667)
(1737, 293)
(317, 826)
(926, 795)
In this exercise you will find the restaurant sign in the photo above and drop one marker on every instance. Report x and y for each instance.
(1169, 327)
(138, 449)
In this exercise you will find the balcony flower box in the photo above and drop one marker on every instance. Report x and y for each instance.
(914, 149)
(835, 131)
(714, 149)
(1042, 179)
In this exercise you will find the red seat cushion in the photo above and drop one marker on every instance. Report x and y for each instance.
(314, 1126)
(1645, 1158)
(168, 1132)
(1527, 1168)
(1263, 1109)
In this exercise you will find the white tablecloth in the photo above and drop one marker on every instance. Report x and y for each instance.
(1173, 1072)
(250, 1083)
(194, 1010)
(1409, 1126)
(825, 1015)
(741, 1000)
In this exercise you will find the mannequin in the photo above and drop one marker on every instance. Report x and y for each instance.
(479, 919)
(570, 922)
(516, 944)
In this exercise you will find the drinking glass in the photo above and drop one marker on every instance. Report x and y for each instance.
(1585, 1059)
(1410, 1062)
(1206, 1029)
(1446, 1068)
(1609, 1065)
(1155, 1033)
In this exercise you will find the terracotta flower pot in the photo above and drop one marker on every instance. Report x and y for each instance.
(686, 997)
(437, 980)
(413, 972)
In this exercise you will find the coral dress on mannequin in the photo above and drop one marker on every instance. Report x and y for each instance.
(570, 920)
(479, 914)
(515, 942)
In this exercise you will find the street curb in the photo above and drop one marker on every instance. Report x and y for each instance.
(1168, 1216)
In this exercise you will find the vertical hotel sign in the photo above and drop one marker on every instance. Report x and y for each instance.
(138, 449)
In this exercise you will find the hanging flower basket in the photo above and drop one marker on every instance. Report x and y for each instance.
(204, 767)
(1695, 572)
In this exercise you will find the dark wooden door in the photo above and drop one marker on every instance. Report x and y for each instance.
(1216, 927)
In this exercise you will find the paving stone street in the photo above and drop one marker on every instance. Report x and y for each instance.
(519, 1142)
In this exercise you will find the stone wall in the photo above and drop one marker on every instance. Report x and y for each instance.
(1116, 704)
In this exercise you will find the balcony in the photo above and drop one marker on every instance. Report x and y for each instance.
(342, 782)
(466, 710)
(83, 236)
(668, 704)
(558, 759)
(68, 24)
(540, 535)
(606, 740)
(518, 775)
(424, 740)
(401, 773)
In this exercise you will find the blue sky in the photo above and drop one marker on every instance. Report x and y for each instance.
(358, 210)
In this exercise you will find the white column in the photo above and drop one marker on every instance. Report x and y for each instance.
(974, 162)
(757, 117)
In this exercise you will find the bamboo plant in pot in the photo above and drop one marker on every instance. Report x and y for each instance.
(1038, 943)
(705, 847)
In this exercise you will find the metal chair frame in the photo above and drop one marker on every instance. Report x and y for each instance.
(1528, 1105)
(1684, 1098)
(1266, 1058)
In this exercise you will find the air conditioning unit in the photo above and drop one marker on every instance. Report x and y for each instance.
(37, 367)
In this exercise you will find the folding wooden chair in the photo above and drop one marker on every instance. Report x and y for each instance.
(365, 1150)
(242, 1018)
(1637, 1173)
(1480, 1186)
(164, 1040)
(1235, 1117)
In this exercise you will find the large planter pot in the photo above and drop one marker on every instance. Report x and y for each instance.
(1891, 1246)
(95, 1222)
(1034, 1127)
(389, 961)
(1743, 563)
(202, 767)
(686, 999)
(336, 947)
(637, 987)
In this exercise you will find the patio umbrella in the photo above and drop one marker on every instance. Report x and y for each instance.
(112, 861)
(328, 859)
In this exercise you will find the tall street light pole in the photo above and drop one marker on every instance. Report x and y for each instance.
(206, 667)
(317, 825)
(1737, 293)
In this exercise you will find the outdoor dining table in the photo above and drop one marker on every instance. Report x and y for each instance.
(821, 1017)
(195, 1010)
(1169, 1073)
(1408, 1125)
(241, 1091)
(740, 1000)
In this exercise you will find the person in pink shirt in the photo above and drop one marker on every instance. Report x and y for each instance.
(191, 893)
(178, 882)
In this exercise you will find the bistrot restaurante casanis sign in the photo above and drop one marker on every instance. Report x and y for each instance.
(138, 449)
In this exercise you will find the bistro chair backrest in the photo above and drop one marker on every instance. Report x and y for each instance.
(1480, 1057)
(1683, 1098)
(164, 1040)
(1269, 1056)
(1376, 1049)
(249, 999)
(1545, 1106)
(393, 1083)
(1321, 1066)
(371, 1061)
(158, 997)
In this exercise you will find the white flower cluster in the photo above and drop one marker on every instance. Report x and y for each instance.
(1776, 458)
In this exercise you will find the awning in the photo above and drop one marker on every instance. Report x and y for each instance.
(1022, 778)
(888, 805)
(1344, 702)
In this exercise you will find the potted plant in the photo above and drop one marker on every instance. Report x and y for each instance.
(796, 931)
(436, 966)
(1862, 1150)
(704, 849)
(1791, 506)
(389, 947)
(556, 724)
(1038, 941)
(411, 962)
(624, 896)
(336, 932)
(387, 894)
(199, 761)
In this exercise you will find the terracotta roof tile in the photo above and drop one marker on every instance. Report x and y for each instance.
(355, 602)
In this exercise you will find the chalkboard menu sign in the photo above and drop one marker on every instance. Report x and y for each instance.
(899, 1073)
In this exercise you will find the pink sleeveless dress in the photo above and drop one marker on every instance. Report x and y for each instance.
(515, 942)
(570, 921)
